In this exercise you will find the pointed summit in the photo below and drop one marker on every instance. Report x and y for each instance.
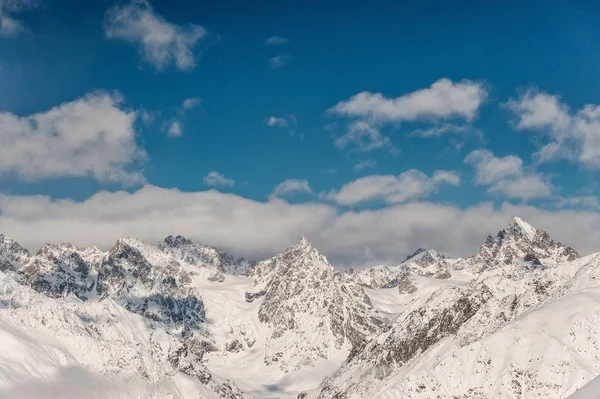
(303, 243)
(518, 224)
(515, 242)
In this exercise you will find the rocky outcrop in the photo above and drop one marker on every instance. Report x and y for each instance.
(196, 254)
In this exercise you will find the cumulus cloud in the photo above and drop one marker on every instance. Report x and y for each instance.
(9, 25)
(574, 136)
(443, 99)
(92, 136)
(291, 186)
(215, 179)
(506, 176)
(280, 61)
(276, 41)
(362, 136)
(260, 229)
(410, 185)
(160, 42)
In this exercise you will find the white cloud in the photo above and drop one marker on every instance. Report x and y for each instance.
(443, 99)
(365, 164)
(363, 137)
(409, 185)
(291, 186)
(574, 136)
(161, 43)
(280, 61)
(276, 41)
(274, 121)
(215, 179)
(350, 238)
(584, 202)
(92, 136)
(191, 103)
(506, 176)
(148, 117)
(175, 129)
(9, 25)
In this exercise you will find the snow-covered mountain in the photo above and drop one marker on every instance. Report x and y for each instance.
(521, 328)
(513, 244)
(177, 319)
(314, 311)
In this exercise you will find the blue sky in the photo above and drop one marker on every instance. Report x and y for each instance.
(464, 106)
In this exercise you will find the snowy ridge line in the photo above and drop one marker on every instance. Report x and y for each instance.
(179, 319)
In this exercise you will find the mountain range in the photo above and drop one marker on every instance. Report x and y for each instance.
(520, 318)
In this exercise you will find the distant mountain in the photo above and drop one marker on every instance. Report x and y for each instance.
(512, 244)
(481, 340)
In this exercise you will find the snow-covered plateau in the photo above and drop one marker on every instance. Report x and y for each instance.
(176, 319)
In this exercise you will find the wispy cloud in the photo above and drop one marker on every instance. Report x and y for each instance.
(175, 129)
(280, 61)
(361, 136)
(276, 41)
(364, 165)
(9, 25)
(274, 121)
(160, 42)
(191, 103)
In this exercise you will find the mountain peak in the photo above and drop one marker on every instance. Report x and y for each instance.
(303, 243)
(525, 228)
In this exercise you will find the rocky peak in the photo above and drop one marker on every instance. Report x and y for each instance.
(312, 309)
(513, 243)
(12, 255)
(520, 227)
(57, 270)
(197, 254)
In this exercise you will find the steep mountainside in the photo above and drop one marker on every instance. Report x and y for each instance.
(313, 310)
(448, 346)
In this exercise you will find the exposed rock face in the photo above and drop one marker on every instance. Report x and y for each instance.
(196, 254)
(63, 269)
(407, 283)
(311, 308)
(12, 255)
(513, 243)
(428, 262)
(375, 277)
(159, 290)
